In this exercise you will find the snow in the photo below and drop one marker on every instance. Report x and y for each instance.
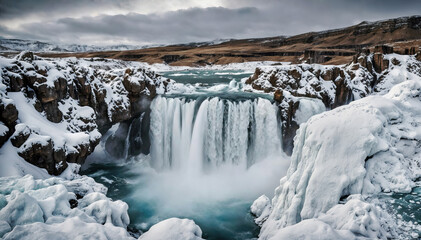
(4, 228)
(3, 129)
(38, 122)
(21, 209)
(307, 108)
(71, 228)
(261, 209)
(14, 45)
(13, 165)
(78, 130)
(354, 220)
(359, 147)
(37, 209)
(174, 229)
(40, 209)
(246, 66)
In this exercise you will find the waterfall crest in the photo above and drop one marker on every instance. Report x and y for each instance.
(194, 135)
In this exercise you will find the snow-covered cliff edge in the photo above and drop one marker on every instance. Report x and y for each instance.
(51, 110)
(343, 157)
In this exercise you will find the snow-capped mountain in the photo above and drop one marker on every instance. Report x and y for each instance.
(17, 45)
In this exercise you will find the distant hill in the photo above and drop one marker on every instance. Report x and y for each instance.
(330, 47)
(14, 45)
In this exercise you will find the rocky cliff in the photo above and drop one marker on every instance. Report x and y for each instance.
(368, 72)
(51, 110)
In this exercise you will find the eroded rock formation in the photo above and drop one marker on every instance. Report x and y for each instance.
(333, 85)
(51, 110)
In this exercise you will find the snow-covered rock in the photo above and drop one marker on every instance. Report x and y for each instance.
(175, 229)
(366, 147)
(335, 86)
(52, 108)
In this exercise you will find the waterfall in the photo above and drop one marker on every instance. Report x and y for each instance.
(193, 135)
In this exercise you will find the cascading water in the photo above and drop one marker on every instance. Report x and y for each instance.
(195, 136)
(204, 155)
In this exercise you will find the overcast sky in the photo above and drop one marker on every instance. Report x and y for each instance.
(140, 22)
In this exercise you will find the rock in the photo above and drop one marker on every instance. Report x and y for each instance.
(418, 56)
(21, 134)
(343, 94)
(25, 56)
(82, 96)
(379, 63)
(79, 156)
(9, 113)
(278, 95)
(73, 203)
(52, 112)
(115, 145)
(384, 49)
(39, 153)
(331, 74)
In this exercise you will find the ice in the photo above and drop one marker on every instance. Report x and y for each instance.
(353, 220)
(4, 228)
(174, 229)
(261, 209)
(366, 147)
(38, 209)
(70, 229)
(21, 209)
(105, 211)
(307, 108)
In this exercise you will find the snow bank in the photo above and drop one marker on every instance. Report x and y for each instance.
(60, 209)
(261, 209)
(355, 219)
(366, 147)
(174, 229)
(56, 208)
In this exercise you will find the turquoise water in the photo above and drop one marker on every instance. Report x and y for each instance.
(406, 208)
(206, 77)
(218, 203)
(225, 219)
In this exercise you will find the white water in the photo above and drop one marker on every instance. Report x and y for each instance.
(195, 136)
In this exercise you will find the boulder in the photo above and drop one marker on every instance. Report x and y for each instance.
(20, 135)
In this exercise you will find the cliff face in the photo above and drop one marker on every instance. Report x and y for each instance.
(51, 110)
(332, 85)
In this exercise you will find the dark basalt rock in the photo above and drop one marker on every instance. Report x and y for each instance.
(73, 203)
(41, 155)
(87, 87)
(20, 136)
(9, 113)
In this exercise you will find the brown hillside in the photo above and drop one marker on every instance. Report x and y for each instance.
(329, 47)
